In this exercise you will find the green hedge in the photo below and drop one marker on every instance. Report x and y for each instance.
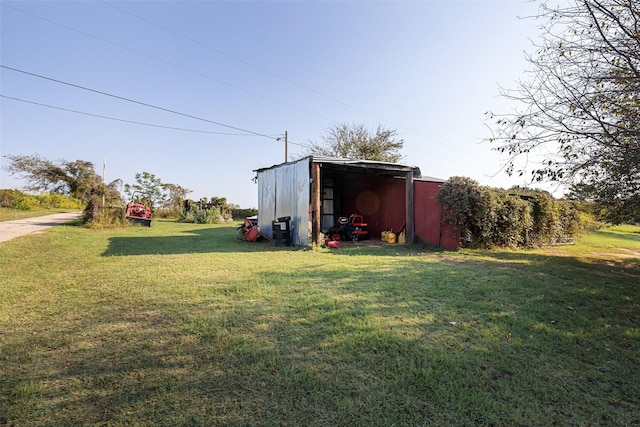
(486, 217)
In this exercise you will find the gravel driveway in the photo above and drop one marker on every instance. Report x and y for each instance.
(22, 227)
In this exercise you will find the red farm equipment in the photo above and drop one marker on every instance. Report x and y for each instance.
(137, 213)
(353, 228)
(249, 231)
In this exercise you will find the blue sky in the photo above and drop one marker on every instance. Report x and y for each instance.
(430, 69)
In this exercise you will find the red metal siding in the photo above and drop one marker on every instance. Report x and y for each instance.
(381, 200)
(427, 216)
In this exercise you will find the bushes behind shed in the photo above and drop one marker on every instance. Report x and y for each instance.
(518, 217)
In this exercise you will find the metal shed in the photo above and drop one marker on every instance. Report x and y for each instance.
(314, 191)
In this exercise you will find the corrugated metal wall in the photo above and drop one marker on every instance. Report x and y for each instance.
(427, 216)
(284, 191)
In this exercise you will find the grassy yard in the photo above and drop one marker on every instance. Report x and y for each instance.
(184, 325)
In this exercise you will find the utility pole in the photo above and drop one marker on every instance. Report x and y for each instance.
(286, 146)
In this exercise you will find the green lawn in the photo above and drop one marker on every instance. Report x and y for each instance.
(185, 325)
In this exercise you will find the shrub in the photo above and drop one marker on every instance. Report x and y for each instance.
(202, 216)
(97, 215)
(167, 213)
(7, 198)
(22, 201)
(241, 213)
(488, 217)
(513, 221)
(107, 217)
(215, 211)
(470, 208)
(56, 200)
(16, 199)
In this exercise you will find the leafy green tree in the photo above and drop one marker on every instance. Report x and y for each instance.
(356, 142)
(74, 178)
(148, 190)
(77, 179)
(175, 196)
(580, 108)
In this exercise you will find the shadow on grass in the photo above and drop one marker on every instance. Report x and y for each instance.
(197, 240)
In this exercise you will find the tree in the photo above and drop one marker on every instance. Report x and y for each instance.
(176, 195)
(356, 142)
(580, 110)
(74, 178)
(148, 190)
(64, 177)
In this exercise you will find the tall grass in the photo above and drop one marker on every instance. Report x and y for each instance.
(183, 324)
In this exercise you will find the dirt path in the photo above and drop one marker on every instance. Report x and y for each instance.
(21, 227)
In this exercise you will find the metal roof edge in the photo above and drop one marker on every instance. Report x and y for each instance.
(360, 162)
(429, 179)
(355, 163)
(284, 163)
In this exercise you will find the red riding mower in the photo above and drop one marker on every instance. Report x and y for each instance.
(353, 228)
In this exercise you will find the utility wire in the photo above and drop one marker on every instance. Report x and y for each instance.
(119, 119)
(136, 102)
(235, 58)
(298, 144)
(166, 62)
(220, 81)
(257, 67)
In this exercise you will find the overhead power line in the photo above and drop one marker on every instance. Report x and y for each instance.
(137, 52)
(235, 58)
(122, 98)
(271, 73)
(121, 120)
(257, 67)
(4, 4)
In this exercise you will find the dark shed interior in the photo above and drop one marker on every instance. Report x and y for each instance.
(379, 195)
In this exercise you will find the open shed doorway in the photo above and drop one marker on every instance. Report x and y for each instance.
(381, 192)
(381, 200)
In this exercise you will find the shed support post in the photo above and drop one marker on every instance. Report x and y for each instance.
(410, 231)
(315, 203)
